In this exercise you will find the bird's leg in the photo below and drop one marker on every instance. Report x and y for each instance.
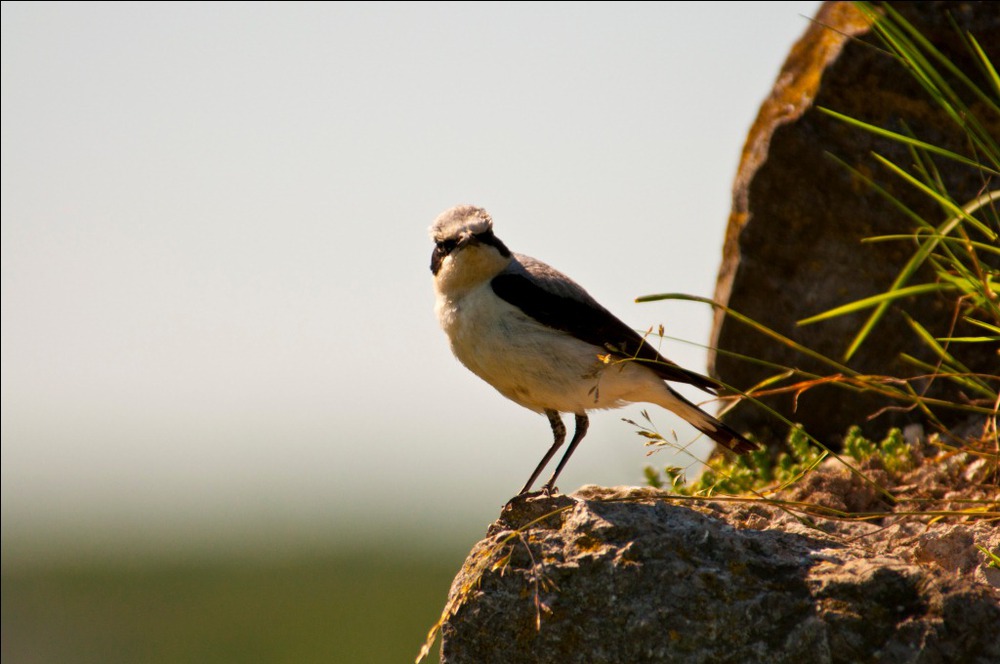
(581, 430)
(559, 435)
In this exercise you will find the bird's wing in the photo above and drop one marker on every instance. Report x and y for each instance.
(556, 301)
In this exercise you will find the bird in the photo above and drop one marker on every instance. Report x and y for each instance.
(543, 342)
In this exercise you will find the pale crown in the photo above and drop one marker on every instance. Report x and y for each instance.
(460, 220)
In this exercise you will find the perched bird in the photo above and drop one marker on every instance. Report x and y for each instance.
(543, 342)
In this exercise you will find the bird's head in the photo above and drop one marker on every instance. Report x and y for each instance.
(466, 252)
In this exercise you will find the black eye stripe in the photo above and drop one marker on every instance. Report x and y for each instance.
(439, 254)
(487, 237)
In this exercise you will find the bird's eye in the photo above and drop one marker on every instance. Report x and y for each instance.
(442, 249)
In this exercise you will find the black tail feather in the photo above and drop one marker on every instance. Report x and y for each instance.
(728, 438)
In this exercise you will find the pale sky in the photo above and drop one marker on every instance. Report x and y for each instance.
(217, 311)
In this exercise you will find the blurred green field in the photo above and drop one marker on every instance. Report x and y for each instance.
(370, 606)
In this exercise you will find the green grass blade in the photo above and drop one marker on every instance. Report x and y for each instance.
(917, 54)
(908, 140)
(930, 243)
(961, 373)
(954, 377)
(982, 324)
(978, 246)
(944, 201)
(988, 68)
(882, 298)
(763, 329)
(911, 267)
(918, 221)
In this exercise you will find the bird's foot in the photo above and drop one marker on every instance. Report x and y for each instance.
(520, 498)
(545, 492)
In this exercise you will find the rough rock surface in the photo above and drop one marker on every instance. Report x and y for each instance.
(793, 245)
(633, 575)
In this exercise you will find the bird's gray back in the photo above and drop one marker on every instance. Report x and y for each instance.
(550, 279)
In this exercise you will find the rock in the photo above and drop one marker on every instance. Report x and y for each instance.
(793, 245)
(631, 575)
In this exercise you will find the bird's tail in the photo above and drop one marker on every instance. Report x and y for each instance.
(705, 423)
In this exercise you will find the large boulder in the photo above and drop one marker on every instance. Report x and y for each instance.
(794, 242)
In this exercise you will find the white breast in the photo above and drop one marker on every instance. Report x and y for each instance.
(533, 365)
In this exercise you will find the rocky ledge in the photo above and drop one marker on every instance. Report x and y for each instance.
(638, 575)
